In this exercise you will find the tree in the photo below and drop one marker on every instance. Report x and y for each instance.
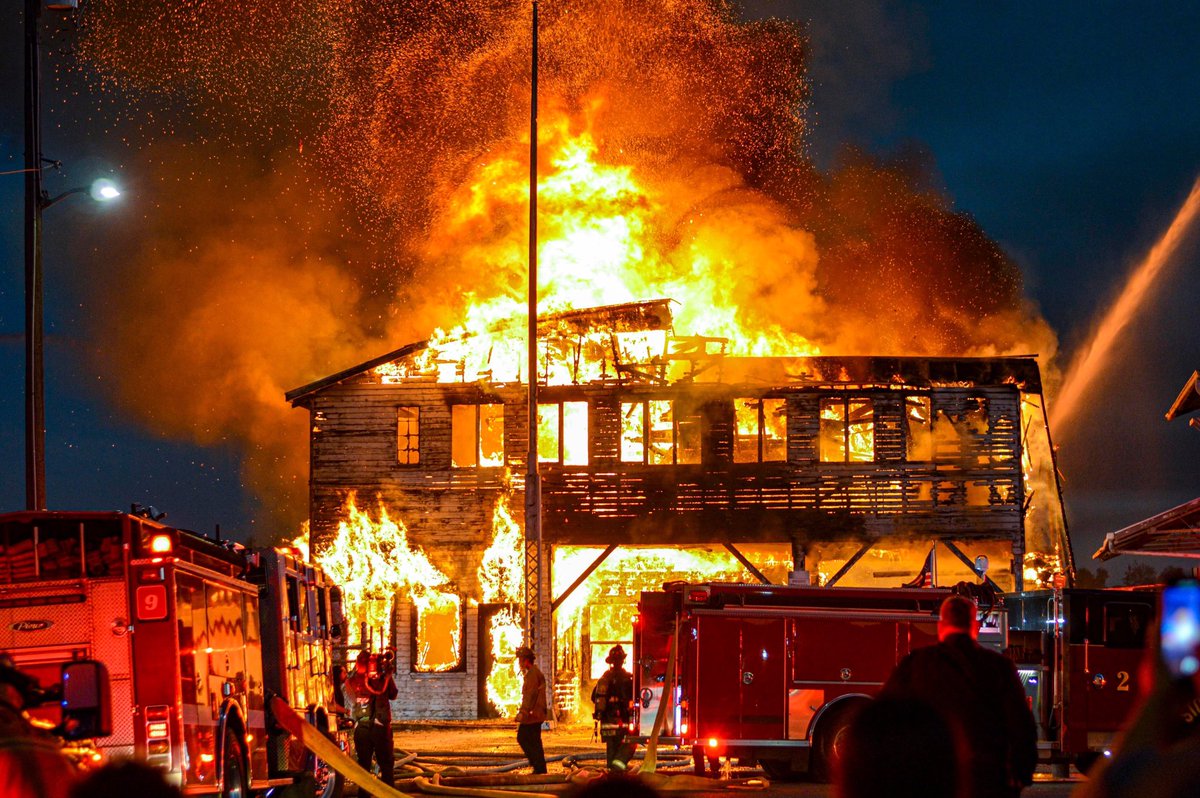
(1085, 578)
(1172, 573)
(1140, 574)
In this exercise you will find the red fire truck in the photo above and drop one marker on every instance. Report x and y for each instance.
(772, 673)
(1079, 654)
(196, 635)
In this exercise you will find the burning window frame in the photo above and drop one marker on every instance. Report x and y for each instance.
(847, 421)
(553, 417)
(414, 637)
(660, 452)
(470, 419)
(761, 406)
(408, 435)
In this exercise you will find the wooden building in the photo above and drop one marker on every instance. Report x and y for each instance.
(849, 470)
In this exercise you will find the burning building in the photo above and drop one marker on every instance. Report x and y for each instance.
(662, 457)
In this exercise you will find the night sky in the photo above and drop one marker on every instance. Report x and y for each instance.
(1069, 131)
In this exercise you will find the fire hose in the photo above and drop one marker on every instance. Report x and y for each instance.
(315, 740)
(495, 785)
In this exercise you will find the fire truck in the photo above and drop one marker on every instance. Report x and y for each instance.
(772, 673)
(1079, 653)
(196, 636)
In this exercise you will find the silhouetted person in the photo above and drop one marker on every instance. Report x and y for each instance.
(978, 692)
(611, 698)
(532, 713)
(900, 748)
(32, 764)
(125, 779)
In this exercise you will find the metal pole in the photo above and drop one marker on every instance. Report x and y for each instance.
(534, 580)
(35, 424)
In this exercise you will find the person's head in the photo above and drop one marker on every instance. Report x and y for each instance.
(614, 786)
(120, 779)
(525, 657)
(616, 656)
(902, 748)
(957, 617)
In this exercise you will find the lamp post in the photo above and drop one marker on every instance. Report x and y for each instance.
(36, 201)
(35, 423)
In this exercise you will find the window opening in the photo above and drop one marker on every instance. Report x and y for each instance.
(407, 435)
(477, 435)
(918, 429)
(563, 433)
(760, 430)
(847, 430)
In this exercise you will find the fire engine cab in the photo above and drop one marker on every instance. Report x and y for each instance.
(772, 673)
(195, 634)
(1079, 652)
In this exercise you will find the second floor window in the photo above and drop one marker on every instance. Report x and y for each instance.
(760, 430)
(563, 433)
(918, 429)
(407, 439)
(653, 433)
(476, 435)
(847, 430)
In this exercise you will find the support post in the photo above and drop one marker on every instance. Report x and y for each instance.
(586, 573)
(858, 555)
(749, 566)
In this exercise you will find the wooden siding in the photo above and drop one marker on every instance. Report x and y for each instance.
(972, 488)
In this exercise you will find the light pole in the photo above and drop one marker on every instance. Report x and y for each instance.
(36, 201)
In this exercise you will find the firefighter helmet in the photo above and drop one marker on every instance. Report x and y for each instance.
(616, 655)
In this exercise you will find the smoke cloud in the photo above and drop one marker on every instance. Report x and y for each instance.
(371, 159)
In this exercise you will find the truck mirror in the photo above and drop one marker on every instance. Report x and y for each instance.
(86, 700)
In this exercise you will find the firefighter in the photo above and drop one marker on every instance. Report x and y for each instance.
(532, 713)
(371, 689)
(611, 698)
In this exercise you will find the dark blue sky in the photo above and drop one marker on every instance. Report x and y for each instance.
(1069, 130)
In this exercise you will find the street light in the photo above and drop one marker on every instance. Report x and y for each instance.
(36, 201)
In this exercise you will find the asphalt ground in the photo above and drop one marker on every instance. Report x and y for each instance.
(491, 746)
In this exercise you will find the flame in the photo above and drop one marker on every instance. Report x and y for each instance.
(374, 563)
(503, 683)
(502, 579)
(597, 247)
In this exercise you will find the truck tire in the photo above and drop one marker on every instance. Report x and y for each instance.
(233, 767)
(327, 782)
(1086, 761)
(829, 741)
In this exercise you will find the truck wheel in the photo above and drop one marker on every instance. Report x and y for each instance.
(1086, 761)
(829, 742)
(327, 782)
(233, 767)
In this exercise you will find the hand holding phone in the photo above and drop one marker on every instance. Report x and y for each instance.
(1179, 638)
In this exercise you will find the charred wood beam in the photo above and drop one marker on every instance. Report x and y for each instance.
(583, 576)
(749, 566)
(970, 563)
(833, 580)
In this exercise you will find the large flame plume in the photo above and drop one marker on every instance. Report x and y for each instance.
(372, 180)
